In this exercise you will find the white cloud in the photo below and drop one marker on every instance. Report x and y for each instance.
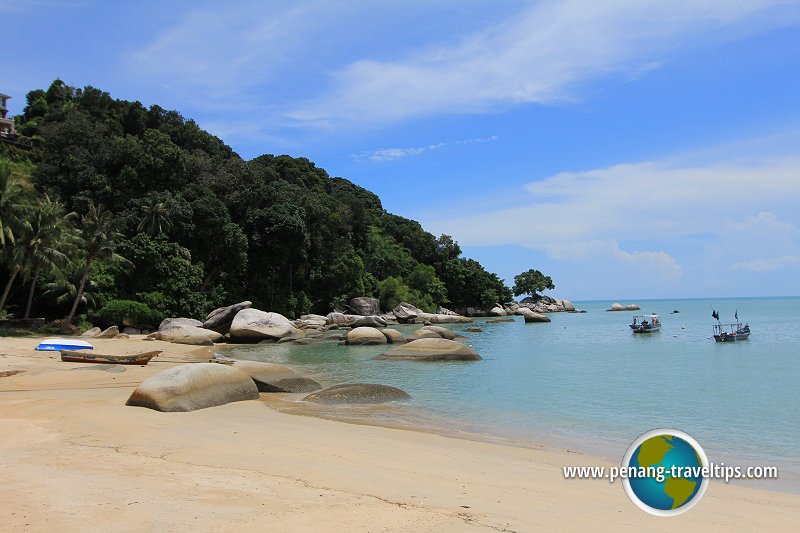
(652, 207)
(536, 55)
(389, 154)
(766, 265)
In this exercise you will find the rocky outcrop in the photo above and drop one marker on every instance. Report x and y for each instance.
(406, 313)
(423, 333)
(620, 307)
(535, 317)
(444, 333)
(221, 319)
(194, 386)
(179, 323)
(365, 306)
(373, 321)
(357, 393)
(91, 333)
(365, 336)
(473, 330)
(269, 377)
(189, 335)
(108, 333)
(253, 325)
(431, 350)
(393, 336)
(497, 311)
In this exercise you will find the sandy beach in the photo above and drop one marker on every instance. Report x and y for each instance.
(75, 458)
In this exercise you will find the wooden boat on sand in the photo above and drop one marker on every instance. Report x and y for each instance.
(73, 356)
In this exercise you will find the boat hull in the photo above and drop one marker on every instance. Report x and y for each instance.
(644, 329)
(732, 338)
(71, 356)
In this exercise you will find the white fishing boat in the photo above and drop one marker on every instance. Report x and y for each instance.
(645, 324)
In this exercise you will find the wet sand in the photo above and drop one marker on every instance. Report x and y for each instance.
(75, 458)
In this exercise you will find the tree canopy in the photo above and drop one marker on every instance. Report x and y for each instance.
(171, 217)
(531, 282)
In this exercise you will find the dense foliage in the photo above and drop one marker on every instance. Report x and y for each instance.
(167, 215)
(531, 282)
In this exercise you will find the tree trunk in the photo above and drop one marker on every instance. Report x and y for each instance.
(81, 286)
(8, 287)
(30, 293)
(211, 275)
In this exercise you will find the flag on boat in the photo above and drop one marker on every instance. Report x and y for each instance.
(736, 314)
(715, 314)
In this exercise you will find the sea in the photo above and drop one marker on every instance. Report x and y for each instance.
(584, 382)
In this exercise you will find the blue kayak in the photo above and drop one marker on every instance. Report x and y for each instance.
(55, 345)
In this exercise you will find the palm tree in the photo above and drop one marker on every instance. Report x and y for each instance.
(14, 203)
(157, 211)
(99, 237)
(46, 244)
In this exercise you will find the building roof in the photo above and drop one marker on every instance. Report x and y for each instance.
(4, 95)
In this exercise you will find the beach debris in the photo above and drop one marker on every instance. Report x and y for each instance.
(365, 336)
(194, 386)
(270, 377)
(220, 319)
(363, 393)
(431, 350)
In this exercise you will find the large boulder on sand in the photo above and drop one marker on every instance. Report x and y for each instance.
(431, 350)
(357, 393)
(189, 335)
(269, 377)
(220, 319)
(365, 306)
(365, 335)
(253, 325)
(168, 323)
(108, 333)
(91, 333)
(194, 386)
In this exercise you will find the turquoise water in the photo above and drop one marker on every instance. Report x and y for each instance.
(584, 381)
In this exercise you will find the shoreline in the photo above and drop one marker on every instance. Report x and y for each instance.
(77, 458)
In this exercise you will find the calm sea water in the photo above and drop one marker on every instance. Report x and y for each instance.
(585, 382)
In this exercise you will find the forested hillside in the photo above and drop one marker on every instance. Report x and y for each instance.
(122, 202)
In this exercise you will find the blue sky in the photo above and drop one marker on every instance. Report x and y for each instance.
(628, 148)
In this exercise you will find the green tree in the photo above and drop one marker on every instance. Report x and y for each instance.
(14, 203)
(46, 245)
(156, 210)
(99, 237)
(531, 282)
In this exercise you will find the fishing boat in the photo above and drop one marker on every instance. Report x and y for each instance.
(73, 356)
(55, 345)
(645, 324)
(731, 332)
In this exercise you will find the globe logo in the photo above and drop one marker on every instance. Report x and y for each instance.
(665, 472)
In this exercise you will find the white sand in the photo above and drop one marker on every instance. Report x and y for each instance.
(75, 458)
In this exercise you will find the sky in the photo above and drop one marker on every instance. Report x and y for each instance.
(630, 149)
